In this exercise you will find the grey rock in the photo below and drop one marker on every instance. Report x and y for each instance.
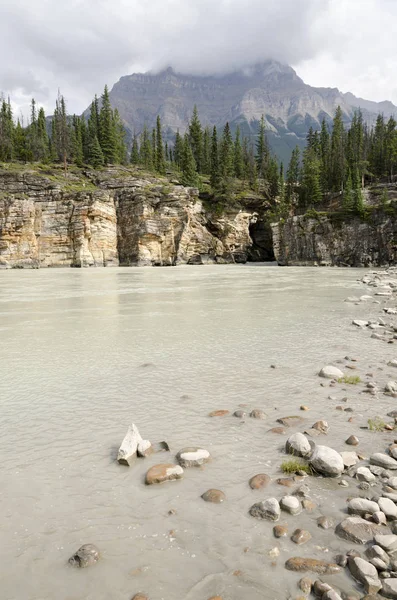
(331, 372)
(361, 506)
(267, 509)
(388, 507)
(129, 446)
(389, 588)
(358, 530)
(291, 504)
(298, 445)
(364, 474)
(387, 541)
(86, 556)
(349, 459)
(383, 460)
(327, 461)
(193, 457)
(365, 572)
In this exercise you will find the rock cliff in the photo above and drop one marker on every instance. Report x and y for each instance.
(323, 240)
(113, 217)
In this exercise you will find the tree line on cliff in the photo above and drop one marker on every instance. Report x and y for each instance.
(335, 161)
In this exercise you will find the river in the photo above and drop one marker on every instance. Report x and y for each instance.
(84, 353)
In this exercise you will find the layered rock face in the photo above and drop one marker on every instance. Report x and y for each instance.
(105, 220)
(303, 241)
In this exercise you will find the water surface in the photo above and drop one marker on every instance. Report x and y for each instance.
(85, 352)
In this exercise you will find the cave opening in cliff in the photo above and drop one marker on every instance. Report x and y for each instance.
(262, 242)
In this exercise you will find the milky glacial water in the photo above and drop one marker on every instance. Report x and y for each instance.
(83, 353)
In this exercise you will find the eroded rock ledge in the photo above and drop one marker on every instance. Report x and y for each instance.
(113, 217)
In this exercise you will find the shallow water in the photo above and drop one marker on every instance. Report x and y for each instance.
(85, 352)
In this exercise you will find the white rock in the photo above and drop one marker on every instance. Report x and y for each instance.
(360, 323)
(392, 363)
(298, 445)
(379, 518)
(291, 504)
(388, 507)
(383, 460)
(349, 458)
(392, 482)
(267, 509)
(391, 387)
(363, 571)
(327, 461)
(366, 297)
(364, 474)
(129, 446)
(144, 448)
(360, 506)
(193, 457)
(330, 372)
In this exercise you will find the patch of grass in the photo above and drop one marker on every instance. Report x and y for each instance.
(376, 424)
(350, 379)
(292, 465)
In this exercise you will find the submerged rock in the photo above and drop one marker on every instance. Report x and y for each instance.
(193, 457)
(128, 449)
(290, 421)
(321, 567)
(218, 413)
(259, 481)
(214, 496)
(258, 414)
(163, 472)
(86, 556)
(301, 536)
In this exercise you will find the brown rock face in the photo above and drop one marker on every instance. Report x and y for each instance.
(302, 565)
(163, 472)
(111, 217)
(259, 481)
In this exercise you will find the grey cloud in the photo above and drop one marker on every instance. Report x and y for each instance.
(80, 45)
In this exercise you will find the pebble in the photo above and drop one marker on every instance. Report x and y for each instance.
(291, 504)
(321, 567)
(305, 585)
(352, 441)
(257, 414)
(240, 414)
(301, 536)
(325, 522)
(214, 496)
(86, 556)
(218, 413)
(193, 457)
(267, 509)
(280, 531)
(259, 481)
(163, 472)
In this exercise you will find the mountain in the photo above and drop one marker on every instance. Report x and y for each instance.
(289, 105)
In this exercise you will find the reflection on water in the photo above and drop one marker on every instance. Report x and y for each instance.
(73, 346)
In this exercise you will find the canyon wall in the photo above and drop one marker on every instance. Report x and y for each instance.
(325, 240)
(111, 217)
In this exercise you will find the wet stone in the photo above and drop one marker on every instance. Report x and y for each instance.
(291, 504)
(286, 481)
(280, 531)
(290, 421)
(259, 481)
(214, 496)
(325, 522)
(302, 565)
(309, 505)
(240, 414)
(193, 457)
(267, 509)
(305, 585)
(258, 414)
(163, 472)
(358, 530)
(301, 536)
(278, 430)
(86, 556)
(218, 413)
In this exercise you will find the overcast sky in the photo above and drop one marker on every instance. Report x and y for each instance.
(79, 45)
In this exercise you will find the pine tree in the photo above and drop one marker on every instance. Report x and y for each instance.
(238, 156)
(215, 170)
(160, 162)
(154, 148)
(20, 143)
(338, 163)
(348, 198)
(189, 171)
(134, 159)
(77, 142)
(206, 157)
(119, 132)
(273, 178)
(42, 143)
(311, 179)
(325, 149)
(107, 129)
(32, 132)
(252, 169)
(226, 158)
(96, 158)
(146, 152)
(60, 139)
(6, 131)
(178, 149)
(196, 139)
(262, 150)
(292, 176)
